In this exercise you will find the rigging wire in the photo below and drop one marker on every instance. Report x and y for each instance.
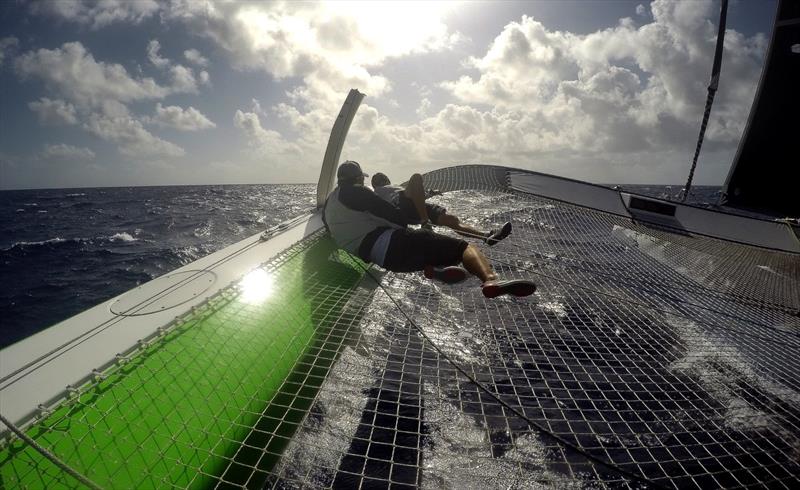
(712, 90)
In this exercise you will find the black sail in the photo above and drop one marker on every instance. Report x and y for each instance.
(764, 175)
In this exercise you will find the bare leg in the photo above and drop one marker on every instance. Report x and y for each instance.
(455, 224)
(415, 190)
(477, 264)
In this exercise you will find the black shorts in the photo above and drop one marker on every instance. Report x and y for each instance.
(411, 250)
(408, 209)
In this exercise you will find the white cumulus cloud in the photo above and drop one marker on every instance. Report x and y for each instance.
(54, 112)
(72, 72)
(62, 151)
(153, 48)
(194, 56)
(331, 47)
(131, 137)
(266, 141)
(97, 14)
(182, 78)
(621, 89)
(189, 119)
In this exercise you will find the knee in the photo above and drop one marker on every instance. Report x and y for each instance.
(415, 179)
(470, 251)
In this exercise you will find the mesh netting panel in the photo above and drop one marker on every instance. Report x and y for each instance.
(646, 359)
(481, 177)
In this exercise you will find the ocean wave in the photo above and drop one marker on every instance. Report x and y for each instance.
(121, 237)
(51, 241)
(116, 237)
(76, 194)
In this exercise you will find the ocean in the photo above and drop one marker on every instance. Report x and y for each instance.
(63, 251)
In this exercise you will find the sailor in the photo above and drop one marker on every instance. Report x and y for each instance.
(371, 228)
(411, 202)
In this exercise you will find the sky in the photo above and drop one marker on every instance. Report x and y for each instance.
(179, 92)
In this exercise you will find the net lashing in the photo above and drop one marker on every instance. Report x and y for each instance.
(646, 359)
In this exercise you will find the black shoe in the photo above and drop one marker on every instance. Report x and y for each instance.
(516, 287)
(495, 235)
(449, 275)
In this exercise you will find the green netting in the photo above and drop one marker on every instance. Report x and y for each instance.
(181, 412)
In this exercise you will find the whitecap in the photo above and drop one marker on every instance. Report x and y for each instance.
(50, 241)
(121, 237)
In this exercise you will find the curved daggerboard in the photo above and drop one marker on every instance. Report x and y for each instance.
(330, 162)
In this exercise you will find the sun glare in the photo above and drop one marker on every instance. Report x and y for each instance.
(256, 286)
(373, 31)
(397, 27)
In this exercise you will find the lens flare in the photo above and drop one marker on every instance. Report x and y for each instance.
(256, 286)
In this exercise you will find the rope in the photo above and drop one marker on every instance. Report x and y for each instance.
(505, 404)
(712, 90)
(47, 454)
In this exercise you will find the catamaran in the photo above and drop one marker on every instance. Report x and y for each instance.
(661, 350)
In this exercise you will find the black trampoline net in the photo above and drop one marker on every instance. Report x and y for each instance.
(646, 359)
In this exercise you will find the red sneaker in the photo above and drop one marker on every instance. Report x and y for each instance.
(516, 287)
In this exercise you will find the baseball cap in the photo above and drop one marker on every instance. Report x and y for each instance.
(349, 170)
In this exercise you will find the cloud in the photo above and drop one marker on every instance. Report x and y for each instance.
(182, 119)
(619, 104)
(97, 14)
(266, 140)
(153, 48)
(95, 94)
(424, 107)
(194, 56)
(330, 47)
(204, 78)
(54, 112)
(131, 137)
(182, 78)
(72, 72)
(7, 46)
(61, 151)
(621, 89)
